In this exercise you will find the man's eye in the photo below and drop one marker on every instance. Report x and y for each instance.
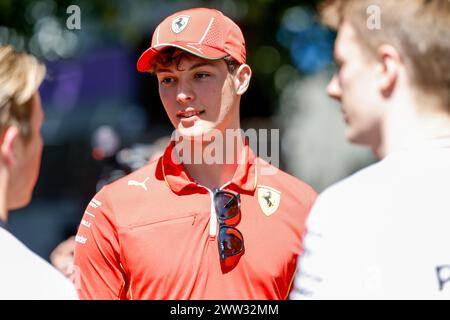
(167, 81)
(201, 75)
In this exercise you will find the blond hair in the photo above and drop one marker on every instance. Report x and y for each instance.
(20, 77)
(418, 29)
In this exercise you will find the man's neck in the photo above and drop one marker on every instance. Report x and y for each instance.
(411, 124)
(378, 150)
(3, 194)
(217, 163)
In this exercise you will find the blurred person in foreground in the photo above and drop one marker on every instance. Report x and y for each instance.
(202, 229)
(23, 274)
(383, 232)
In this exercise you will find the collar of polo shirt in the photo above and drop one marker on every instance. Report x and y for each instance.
(180, 182)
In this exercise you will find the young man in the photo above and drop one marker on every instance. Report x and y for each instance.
(383, 232)
(182, 229)
(23, 275)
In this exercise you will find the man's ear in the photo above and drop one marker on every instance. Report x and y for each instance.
(9, 141)
(242, 78)
(388, 67)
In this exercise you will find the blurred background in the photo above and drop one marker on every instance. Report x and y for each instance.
(104, 119)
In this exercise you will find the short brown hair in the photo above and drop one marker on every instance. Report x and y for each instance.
(20, 77)
(418, 29)
(171, 54)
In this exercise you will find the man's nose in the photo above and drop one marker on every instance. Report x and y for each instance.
(333, 88)
(185, 94)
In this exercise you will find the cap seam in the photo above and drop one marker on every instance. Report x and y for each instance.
(207, 30)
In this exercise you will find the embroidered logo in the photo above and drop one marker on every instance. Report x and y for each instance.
(180, 23)
(139, 184)
(269, 199)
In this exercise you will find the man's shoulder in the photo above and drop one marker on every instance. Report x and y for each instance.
(28, 276)
(16, 253)
(145, 179)
(361, 181)
(139, 194)
(8, 241)
(353, 193)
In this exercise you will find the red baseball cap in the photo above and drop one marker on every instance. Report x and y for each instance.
(206, 33)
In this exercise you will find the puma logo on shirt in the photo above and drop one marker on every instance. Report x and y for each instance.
(139, 184)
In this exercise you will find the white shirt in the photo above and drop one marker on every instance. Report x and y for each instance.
(25, 275)
(383, 233)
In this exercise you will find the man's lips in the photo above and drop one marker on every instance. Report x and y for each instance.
(189, 112)
(346, 118)
(344, 115)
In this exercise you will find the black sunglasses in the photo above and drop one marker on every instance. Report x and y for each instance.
(228, 210)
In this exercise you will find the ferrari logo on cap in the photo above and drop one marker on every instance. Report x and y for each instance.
(179, 23)
(269, 199)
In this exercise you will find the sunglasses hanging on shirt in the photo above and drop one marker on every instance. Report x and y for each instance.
(228, 210)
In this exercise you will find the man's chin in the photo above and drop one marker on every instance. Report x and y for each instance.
(354, 138)
(194, 133)
(19, 203)
(369, 140)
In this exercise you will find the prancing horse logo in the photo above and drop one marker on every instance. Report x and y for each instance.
(269, 199)
(179, 23)
(139, 184)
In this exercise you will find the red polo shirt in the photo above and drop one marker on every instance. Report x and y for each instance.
(152, 235)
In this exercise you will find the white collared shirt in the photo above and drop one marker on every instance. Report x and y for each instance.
(384, 232)
(26, 276)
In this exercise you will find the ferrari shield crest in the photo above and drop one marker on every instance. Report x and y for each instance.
(269, 199)
(179, 23)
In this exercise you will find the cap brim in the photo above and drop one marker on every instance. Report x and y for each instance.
(145, 61)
